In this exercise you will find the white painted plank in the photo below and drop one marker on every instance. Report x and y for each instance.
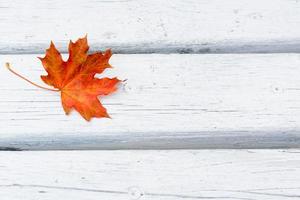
(168, 101)
(201, 174)
(137, 26)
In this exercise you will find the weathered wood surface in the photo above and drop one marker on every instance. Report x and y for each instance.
(201, 174)
(132, 26)
(167, 102)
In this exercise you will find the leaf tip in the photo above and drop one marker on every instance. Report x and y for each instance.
(51, 44)
(88, 119)
(107, 115)
(108, 53)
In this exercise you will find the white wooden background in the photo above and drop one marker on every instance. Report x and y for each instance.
(141, 26)
(201, 74)
(132, 175)
(168, 101)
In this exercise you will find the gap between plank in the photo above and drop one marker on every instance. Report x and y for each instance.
(161, 47)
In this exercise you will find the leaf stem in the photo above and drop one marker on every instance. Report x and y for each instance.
(32, 83)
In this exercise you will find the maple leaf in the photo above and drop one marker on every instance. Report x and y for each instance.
(76, 80)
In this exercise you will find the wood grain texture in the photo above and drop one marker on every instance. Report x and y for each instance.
(201, 174)
(168, 101)
(141, 26)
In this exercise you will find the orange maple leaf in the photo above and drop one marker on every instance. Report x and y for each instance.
(76, 80)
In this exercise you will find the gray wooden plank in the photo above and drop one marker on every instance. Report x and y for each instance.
(185, 174)
(168, 101)
(171, 26)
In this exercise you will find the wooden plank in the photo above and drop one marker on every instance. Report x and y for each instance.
(198, 174)
(168, 101)
(143, 27)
